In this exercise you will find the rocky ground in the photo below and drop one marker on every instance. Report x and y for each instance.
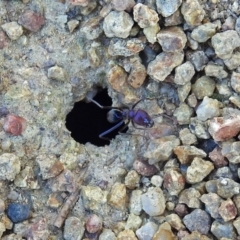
(176, 180)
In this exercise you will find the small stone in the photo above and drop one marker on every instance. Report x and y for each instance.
(94, 198)
(187, 137)
(191, 42)
(73, 228)
(132, 179)
(204, 86)
(230, 150)
(10, 166)
(236, 224)
(118, 196)
(144, 168)
(194, 236)
(82, 3)
(227, 210)
(72, 24)
(227, 188)
(184, 73)
(92, 28)
(192, 100)
(233, 62)
(217, 158)
(144, 16)
(94, 224)
(209, 108)
(135, 203)
(190, 197)
(147, 231)
(133, 222)
(14, 124)
(174, 182)
(166, 8)
(3, 40)
(123, 5)
(172, 39)
(164, 232)
(198, 170)
(198, 220)
(153, 201)
(186, 154)
(181, 210)
(163, 64)
(192, 12)
(13, 30)
(31, 20)
(183, 114)
(173, 20)
(222, 230)
(125, 47)
(198, 59)
(203, 32)
(156, 180)
(107, 234)
(183, 91)
(55, 200)
(117, 24)
(235, 81)
(18, 212)
(175, 221)
(225, 42)
(223, 129)
(214, 70)
(126, 234)
(151, 33)
(57, 73)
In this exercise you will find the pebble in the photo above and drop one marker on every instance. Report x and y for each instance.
(10, 166)
(73, 228)
(217, 158)
(198, 59)
(186, 137)
(236, 224)
(118, 196)
(230, 150)
(151, 33)
(72, 25)
(49, 165)
(203, 32)
(153, 201)
(132, 179)
(147, 231)
(133, 222)
(208, 108)
(166, 8)
(107, 234)
(126, 234)
(135, 203)
(192, 12)
(172, 39)
(174, 182)
(198, 220)
(31, 20)
(221, 230)
(183, 113)
(191, 42)
(233, 62)
(199, 128)
(186, 154)
(235, 81)
(184, 73)
(163, 64)
(161, 149)
(227, 210)
(117, 24)
(215, 70)
(164, 232)
(183, 92)
(18, 212)
(92, 28)
(14, 124)
(204, 86)
(224, 43)
(143, 168)
(227, 188)
(190, 197)
(175, 221)
(123, 5)
(57, 73)
(125, 47)
(82, 3)
(224, 128)
(198, 170)
(13, 30)
(3, 40)
(192, 100)
(173, 20)
(94, 224)
(145, 16)
(181, 210)
(156, 180)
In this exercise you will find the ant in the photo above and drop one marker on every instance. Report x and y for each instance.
(122, 114)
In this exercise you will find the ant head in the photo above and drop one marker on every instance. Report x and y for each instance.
(114, 115)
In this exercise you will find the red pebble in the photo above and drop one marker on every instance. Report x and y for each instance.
(14, 125)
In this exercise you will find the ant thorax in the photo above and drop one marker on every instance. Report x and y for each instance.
(115, 115)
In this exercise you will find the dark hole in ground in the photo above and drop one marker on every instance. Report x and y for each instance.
(86, 121)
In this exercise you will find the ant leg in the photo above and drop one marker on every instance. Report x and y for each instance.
(110, 130)
(103, 107)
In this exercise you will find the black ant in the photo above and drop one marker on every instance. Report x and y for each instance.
(122, 114)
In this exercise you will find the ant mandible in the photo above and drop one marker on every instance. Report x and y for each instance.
(122, 114)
